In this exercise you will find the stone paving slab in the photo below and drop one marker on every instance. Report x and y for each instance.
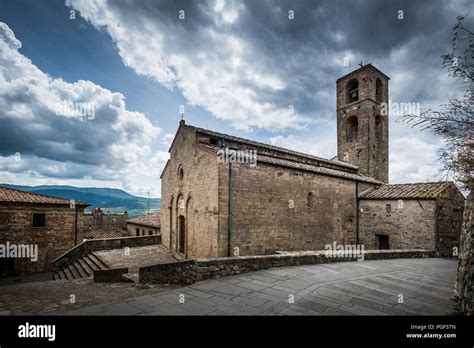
(346, 288)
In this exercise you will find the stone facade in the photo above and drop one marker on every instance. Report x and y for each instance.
(429, 223)
(283, 200)
(191, 176)
(144, 225)
(141, 230)
(410, 227)
(362, 124)
(275, 205)
(63, 230)
(98, 218)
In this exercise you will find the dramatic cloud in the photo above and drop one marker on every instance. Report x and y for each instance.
(249, 62)
(54, 129)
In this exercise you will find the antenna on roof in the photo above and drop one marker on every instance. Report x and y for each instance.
(360, 64)
(148, 202)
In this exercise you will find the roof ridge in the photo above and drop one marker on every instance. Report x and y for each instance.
(274, 147)
(66, 201)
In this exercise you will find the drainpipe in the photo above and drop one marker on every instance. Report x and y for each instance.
(229, 218)
(75, 227)
(357, 212)
(229, 205)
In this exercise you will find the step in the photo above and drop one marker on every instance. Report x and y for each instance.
(92, 265)
(56, 276)
(80, 270)
(98, 261)
(132, 276)
(62, 275)
(85, 266)
(74, 271)
(68, 273)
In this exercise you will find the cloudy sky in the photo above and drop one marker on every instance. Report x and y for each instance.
(90, 90)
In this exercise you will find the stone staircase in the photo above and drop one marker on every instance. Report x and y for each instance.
(82, 268)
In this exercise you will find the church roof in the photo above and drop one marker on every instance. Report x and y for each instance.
(425, 190)
(9, 195)
(366, 66)
(307, 167)
(282, 157)
(271, 147)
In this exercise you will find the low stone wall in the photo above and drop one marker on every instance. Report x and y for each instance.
(190, 271)
(91, 245)
(111, 275)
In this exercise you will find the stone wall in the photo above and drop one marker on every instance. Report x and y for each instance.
(190, 271)
(55, 238)
(102, 219)
(411, 225)
(369, 149)
(195, 197)
(449, 217)
(111, 275)
(323, 212)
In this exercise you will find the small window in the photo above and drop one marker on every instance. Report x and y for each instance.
(309, 202)
(388, 207)
(213, 141)
(137, 231)
(150, 232)
(180, 174)
(39, 220)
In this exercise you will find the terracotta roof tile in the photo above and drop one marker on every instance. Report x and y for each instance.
(101, 232)
(428, 190)
(9, 195)
(271, 147)
(306, 167)
(152, 219)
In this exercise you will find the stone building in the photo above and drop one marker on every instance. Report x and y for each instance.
(97, 218)
(223, 195)
(412, 216)
(362, 121)
(52, 225)
(145, 225)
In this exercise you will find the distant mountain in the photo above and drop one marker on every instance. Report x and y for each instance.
(115, 200)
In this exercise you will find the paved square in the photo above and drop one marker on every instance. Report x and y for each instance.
(382, 287)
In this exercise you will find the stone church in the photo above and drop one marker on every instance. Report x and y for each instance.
(261, 198)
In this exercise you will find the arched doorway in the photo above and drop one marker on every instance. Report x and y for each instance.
(181, 245)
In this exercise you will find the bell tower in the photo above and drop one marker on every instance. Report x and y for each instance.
(362, 121)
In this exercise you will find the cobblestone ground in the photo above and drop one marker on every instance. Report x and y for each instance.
(349, 288)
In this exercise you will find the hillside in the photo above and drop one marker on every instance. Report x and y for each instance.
(115, 200)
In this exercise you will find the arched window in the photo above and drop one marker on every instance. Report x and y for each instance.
(353, 90)
(180, 174)
(352, 129)
(378, 90)
(309, 203)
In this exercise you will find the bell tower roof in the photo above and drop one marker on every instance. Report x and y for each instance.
(357, 71)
